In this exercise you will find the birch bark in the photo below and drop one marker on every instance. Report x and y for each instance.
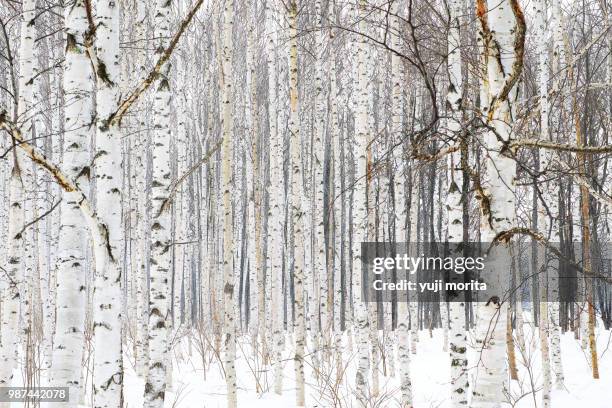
(10, 292)
(27, 116)
(227, 179)
(254, 181)
(21, 178)
(399, 205)
(360, 218)
(336, 197)
(543, 222)
(503, 29)
(413, 303)
(297, 198)
(107, 318)
(319, 180)
(454, 205)
(554, 315)
(274, 188)
(72, 262)
(159, 350)
(141, 236)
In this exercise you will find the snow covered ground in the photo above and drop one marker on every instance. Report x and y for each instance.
(430, 378)
(194, 387)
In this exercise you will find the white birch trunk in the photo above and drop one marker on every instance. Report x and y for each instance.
(10, 288)
(254, 183)
(138, 170)
(413, 303)
(454, 205)
(15, 284)
(559, 62)
(336, 196)
(159, 353)
(227, 177)
(373, 187)
(543, 222)
(297, 198)
(360, 218)
(400, 213)
(107, 318)
(27, 115)
(415, 198)
(72, 257)
(319, 182)
(274, 188)
(500, 23)
(399, 204)
(141, 236)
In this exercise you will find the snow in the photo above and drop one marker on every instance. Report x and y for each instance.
(430, 370)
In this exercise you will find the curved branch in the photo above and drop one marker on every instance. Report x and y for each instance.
(117, 116)
(605, 201)
(559, 147)
(193, 168)
(505, 236)
(98, 229)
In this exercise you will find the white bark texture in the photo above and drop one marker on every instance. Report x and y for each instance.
(454, 205)
(10, 288)
(274, 187)
(400, 209)
(320, 270)
(500, 25)
(15, 284)
(107, 318)
(360, 216)
(159, 352)
(227, 178)
(297, 212)
(72, 257)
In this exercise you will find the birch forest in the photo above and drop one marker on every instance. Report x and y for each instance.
(188, 189)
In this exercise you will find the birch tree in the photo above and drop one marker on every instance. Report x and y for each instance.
(229, 329)
(454, 205)
(27, 116)
(297, 198)
(155, 386)
(319, 179)
(10, 301)
(15, 282)
(360, 218)
(72, 262)
(108, 364)
(502, 29)
(140, 234)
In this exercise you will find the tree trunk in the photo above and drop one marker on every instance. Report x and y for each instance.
(454, 205)
(360, 218)
(297, 212)
(400, 213)
(160, 352)
(107, 318)
(10, 292)
(66, 368)
(227, 177)
(503, 30)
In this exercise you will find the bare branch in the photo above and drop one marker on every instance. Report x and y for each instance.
(560, 147)
(124, 106)
(49, 211)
